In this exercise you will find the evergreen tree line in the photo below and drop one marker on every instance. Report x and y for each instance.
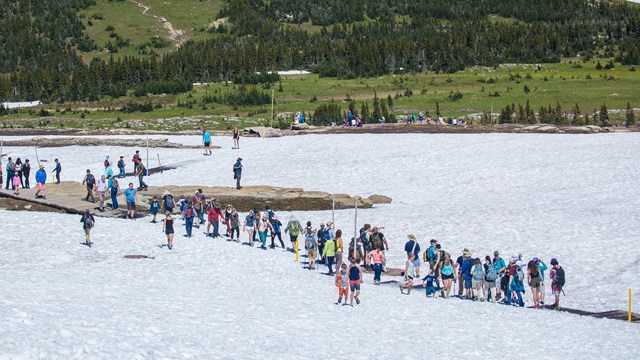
(367, 38)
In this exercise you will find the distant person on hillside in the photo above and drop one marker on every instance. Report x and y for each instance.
(41, 180)
(557, 281)
(167, 228)
(263, 225)
(114, 187)
(477, 280)
(189, 215)
(88, 221)
(206, 141)
(355, 280)
(517, 282)
(294, 228)
(26, 171)
(447, 276)
(236, 139)
(500, 266)
(90, 181)
(412, 246)
(57, 171)
(130, 197)
(121, 166)
(534, 279)
(237, 172)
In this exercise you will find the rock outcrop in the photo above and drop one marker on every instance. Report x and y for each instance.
(84, 141)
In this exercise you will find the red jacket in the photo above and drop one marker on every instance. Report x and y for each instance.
(214, 214)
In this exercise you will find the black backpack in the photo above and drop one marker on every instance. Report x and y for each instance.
(560, 276)
(91, 180)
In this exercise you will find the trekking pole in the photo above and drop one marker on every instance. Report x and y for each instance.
(37, 158)
(629, 305)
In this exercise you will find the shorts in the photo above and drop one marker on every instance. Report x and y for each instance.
(416, 263)
(476, 284)
(343, 291)
(467, 284)
(311, 253)
(131, 206)
(489, 284)
(250, 228)
(447, 277)
(154, 212)
(206, 144)
(556, 290)
(535, 282)
(354, 285)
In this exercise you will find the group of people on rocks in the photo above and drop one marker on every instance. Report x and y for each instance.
(17, 175)
(488, 279)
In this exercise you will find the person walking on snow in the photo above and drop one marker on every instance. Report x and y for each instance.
(90, 181)
(130, 197)
(237, 172)
(113, 186)
(57, 171)
(88, 222)
(121, 165)
(141, 172)
(101, 187)
(167, 228)
(206, 141)
(355, 281)
(41, 180)
(294, 228)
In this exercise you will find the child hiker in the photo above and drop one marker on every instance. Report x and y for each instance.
(342, 284)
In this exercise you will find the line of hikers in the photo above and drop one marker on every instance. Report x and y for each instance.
(17, 175)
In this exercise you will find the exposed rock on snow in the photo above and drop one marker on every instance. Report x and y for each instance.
(83, 141)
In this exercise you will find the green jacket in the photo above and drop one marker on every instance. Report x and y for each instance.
(329, 248)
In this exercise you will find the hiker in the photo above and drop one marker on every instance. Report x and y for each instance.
(108, 170)
(477, 280)
(365, 238)
(141, 172)
(130, 198)
(427, 283)
(199, 210)
(154, 207)
(237, 172)
(10, 169)
(321, 242)
(18, 172)
(500, 266)
(136, 159)
(447, 276)
(329, 252)
(15, 183)
(249, 223)
(167, 202)
(356, 249)
(339, 248)
(262, 227)
(412, 246)
(41, 180)
(189, 214)
(57, 171)
(311, 245)
(557, 281)
(517, 282)
(542, 267)
(236, 139)
(206, 141)
(26, 170)
(355, 280)
(432, 254)
(294, 228)
(90, 181)
(377, 237)
(121, 173)
(376, 257)
(214, 214)
(534, 280)
(342, 284)
(467, 264)
(113, 186)
(409, 274)
(167, 228)
(227, 219)
(234, 224)
(101, 187)
(276, 232)
(458, 267)
(87, 221)
(490, 278)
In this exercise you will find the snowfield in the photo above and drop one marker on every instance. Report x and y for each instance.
(572, 197)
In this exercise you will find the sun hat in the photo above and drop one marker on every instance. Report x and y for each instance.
(165, 193)
(412, 237)
(466, 253)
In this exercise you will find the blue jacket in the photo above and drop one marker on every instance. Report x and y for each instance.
(409, 246)
(237, 168)
(466, 268)
(58, 168)
(41, 176)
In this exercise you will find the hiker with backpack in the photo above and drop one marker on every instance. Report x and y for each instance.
(311, 245)
(500, 267)
(412, 246)
(557, 282)
(90, 181)
(237, 172)
(88, 222)
(356, 249)
(490, 278)
(41, 180)
(114, 187)
(121, 165)
(542, 267)
(517, 282)
(477, 280)
(377, 237)
(141, 172)
(10, 170)
(534, 280)
(293, 228)
(214, 214)
(355, 281)
(57, 171)
(321, 241)
(189, 214)
(168, 203)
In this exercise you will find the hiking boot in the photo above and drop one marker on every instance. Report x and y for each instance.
(357, 300)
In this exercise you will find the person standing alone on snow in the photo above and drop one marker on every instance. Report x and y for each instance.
(57, 171)
(206, 140)
(237, 172)
(87, 221)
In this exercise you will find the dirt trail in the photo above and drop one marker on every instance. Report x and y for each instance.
(178, 36)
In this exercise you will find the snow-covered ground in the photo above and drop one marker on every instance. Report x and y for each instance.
(572, 197)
